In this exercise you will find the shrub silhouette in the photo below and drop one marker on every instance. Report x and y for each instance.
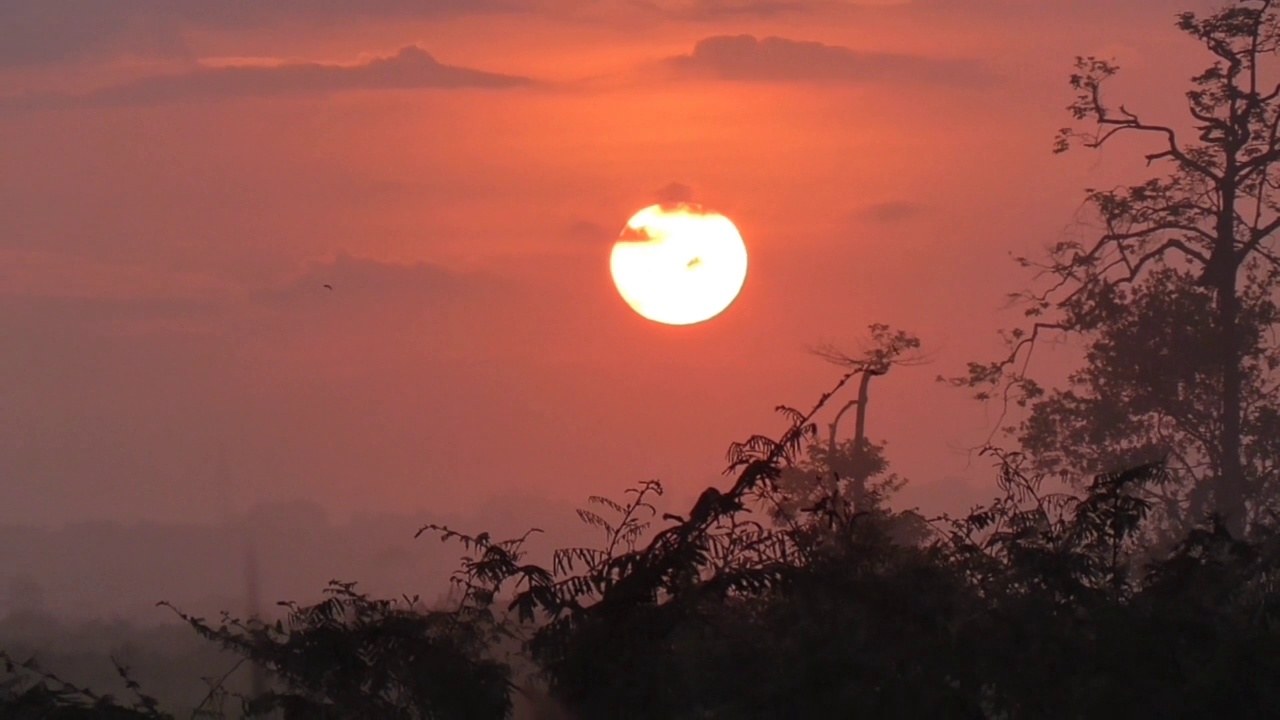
(1038, 604)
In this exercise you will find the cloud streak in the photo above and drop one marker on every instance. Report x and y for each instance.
(893, 211)
(410, 68)
(746, 58)
(353, 277)
(44, 32)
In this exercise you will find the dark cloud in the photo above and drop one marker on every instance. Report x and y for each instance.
(723, 9)
(894, 211)
(36, 32)
(585, 232)
(710, 11)
(675, 193)
(41, 32)
(410, 68)
(746, 58)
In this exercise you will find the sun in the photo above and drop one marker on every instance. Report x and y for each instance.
(679, 263)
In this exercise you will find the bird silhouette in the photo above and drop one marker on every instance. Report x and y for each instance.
(327, 286)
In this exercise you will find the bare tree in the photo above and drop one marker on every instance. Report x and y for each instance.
(849, 476)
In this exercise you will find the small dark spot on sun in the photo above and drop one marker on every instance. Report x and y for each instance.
(694, 263)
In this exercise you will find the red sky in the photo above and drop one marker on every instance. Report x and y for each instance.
(178, 184)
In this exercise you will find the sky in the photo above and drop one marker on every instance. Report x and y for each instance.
(181, 179)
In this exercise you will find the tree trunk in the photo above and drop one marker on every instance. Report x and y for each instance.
(1230, 493)
(857, 475)
(859, 480)
(257, 674)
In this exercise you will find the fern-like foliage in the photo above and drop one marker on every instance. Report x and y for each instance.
(29, 692)
(350, 656)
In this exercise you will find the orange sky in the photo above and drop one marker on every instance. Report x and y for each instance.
(178, 185)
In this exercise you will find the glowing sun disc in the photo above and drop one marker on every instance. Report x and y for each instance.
(679, 263)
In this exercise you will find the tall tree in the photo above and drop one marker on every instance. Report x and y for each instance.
(1150, 389)
(1192, 244)
(852, 475)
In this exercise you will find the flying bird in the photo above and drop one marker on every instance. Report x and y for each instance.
(694, 263)
(327, 286)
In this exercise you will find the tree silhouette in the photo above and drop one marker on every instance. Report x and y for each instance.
(1149, 390)
(1039, 604)
(1207, 222)
(29, 692)
(843, 477)
(352, 656)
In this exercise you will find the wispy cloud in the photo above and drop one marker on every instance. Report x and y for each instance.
(709, 11)
(60, 275)
(585, 233)
(41, 32)
(746, 58)
(350, 278)
(409, 69)
(893, 211)
(674, 192)
(722, 9)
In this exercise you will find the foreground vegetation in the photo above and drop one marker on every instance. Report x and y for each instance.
(1034, 606)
